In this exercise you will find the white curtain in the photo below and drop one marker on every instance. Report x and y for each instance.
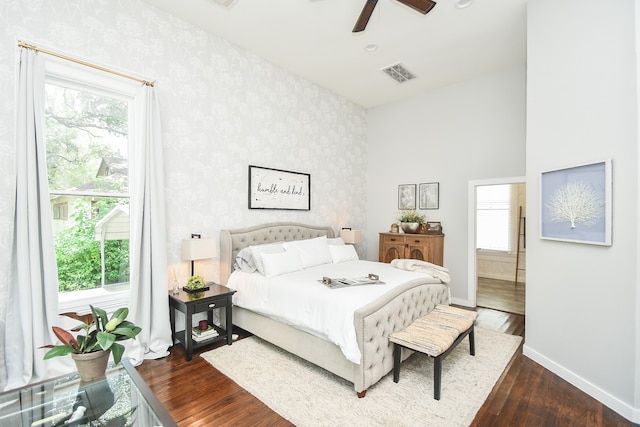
(149, 306)
(33, 287)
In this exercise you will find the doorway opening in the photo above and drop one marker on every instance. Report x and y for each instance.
(497, 244)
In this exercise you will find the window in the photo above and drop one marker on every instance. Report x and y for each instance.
(60, 210)
(494, 217)
(88, 122)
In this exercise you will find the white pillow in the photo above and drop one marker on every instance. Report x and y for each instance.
(335, 241)
(259, 250)
(311, 251)
(343, 253)
(278, 263)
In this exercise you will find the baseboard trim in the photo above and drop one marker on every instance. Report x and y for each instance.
(521, 278)
(622, 408)
(462, 302)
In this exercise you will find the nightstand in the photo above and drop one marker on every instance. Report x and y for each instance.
(216, 297)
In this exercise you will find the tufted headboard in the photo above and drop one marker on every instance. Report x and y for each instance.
(232, 241)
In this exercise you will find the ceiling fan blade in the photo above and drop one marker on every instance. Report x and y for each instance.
(367, 10)
(422, 6)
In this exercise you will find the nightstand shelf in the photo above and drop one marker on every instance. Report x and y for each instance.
(216, 297)
(222, 334)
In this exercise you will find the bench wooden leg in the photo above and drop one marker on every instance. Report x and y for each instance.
(437, 364)
(437, 360)
(397, 355)
(437, 376)
(472, 342)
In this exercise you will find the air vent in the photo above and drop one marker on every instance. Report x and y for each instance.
(399, 73)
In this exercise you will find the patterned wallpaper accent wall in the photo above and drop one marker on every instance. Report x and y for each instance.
(223, 108)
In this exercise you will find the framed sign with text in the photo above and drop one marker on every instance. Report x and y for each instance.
(279, 189)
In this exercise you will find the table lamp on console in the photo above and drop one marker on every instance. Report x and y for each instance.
(198, 248)
(351, 236)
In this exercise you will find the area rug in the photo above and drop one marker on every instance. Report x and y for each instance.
(310, 396)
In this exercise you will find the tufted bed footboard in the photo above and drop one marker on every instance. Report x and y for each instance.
(376, 321)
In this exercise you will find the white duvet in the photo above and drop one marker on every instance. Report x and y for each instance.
(298, 299)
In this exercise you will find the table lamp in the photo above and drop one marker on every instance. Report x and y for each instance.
(351, 236)
(198, 248)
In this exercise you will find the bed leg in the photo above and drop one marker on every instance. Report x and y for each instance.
(361, 394)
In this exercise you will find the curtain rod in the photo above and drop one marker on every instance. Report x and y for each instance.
(87, 64)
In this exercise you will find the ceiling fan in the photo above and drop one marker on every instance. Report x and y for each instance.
(422, 6)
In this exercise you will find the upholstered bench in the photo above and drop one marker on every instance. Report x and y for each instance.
(436, 335)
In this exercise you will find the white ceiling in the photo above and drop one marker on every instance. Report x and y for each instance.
(313, 39)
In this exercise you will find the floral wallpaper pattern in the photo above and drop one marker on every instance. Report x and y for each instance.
(222, 109)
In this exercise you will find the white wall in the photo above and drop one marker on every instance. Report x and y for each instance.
(582, 305)
(471, 130)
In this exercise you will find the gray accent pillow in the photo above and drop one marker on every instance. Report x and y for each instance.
(244, 261)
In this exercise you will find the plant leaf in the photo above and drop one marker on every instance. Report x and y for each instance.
(101, 315)
(117, 350)
(106, 340)
(59, 350)
(79, 327)
(120, 314)
(126, 330)
(66, 338)
(87, 319)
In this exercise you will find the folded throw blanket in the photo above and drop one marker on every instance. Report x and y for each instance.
(423, 267)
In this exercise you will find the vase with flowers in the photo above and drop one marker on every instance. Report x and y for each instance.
(196, 284)
(96, 338)
(410, 220)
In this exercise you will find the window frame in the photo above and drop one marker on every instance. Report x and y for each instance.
(79, 77)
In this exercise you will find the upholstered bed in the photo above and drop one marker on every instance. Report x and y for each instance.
(373, 322)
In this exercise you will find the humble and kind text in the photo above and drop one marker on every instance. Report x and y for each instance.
(273, 189)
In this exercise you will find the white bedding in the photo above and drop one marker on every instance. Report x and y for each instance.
(298, 298)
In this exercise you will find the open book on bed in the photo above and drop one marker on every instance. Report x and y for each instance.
(351, 281)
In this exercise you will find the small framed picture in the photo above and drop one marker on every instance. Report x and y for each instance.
(407, 196)
(430, 195)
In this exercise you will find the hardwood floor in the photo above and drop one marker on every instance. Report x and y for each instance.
(197, 394)
(501, 295)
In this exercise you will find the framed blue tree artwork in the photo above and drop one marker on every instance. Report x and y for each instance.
(575, 204)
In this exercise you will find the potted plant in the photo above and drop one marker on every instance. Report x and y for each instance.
(410, 220)
(196, 284)
(98, 340)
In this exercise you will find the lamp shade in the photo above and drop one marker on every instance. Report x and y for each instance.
(350, 236)
(194, 249)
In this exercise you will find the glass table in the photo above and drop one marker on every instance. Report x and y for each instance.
(120, 399)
